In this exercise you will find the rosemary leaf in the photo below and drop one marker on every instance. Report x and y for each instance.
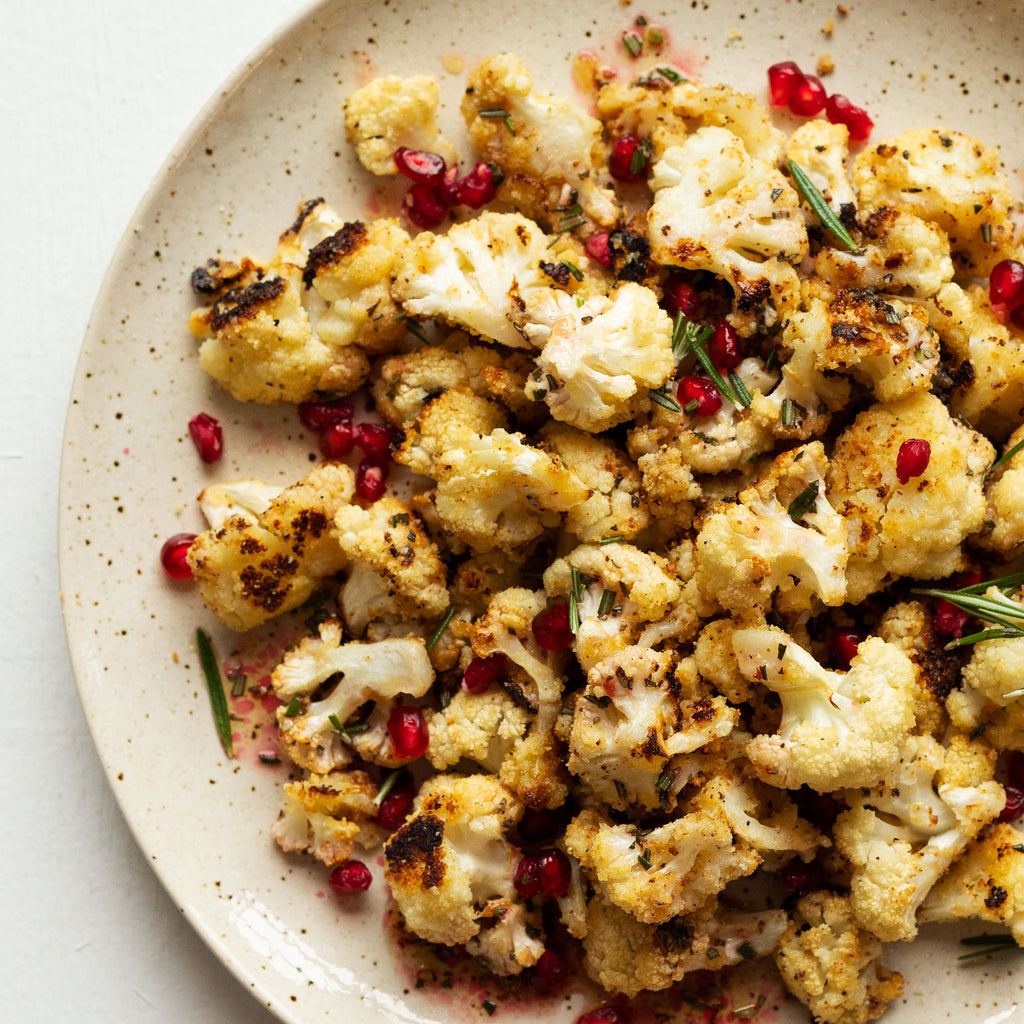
(661, 397)
(821, 209)
(218, 701)
(1004, 458)
(806, 501)
(436, 635)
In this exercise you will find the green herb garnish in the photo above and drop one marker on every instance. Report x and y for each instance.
(386, 786)
(806, 501)
(501, 113)
(607, 603)
(294, 707)
(219, 703)
(821, 209)
(575, 596)
(988, 944)
(633, 43)
(998, 608)
(660, 396)
(689, 337)
(644, 859)
(436, 635)
(1004, 458)
(610, 540)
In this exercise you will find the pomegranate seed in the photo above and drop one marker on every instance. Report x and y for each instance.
(448, 188)
(912, 459)
(540, 825)
(526, 877)
(599, 250)
(698, 396)
(949, 620)
(318, 416)
(173, 556)
(799, 878)
(724, 346)
(395, 808)
(336, 440)
(808, 98)
(551, 627)
(207, 437)
(843, 644)
(552, 970)
(350, 877)
(481, 672)
(423, 206)
(783, 80)
(839, 110)
(420, 166)
(1014, 804)
(1006, 288)
(375, 441)
(555, 873)
(604, 1015)
(679, 296)
(408, 731)
(477, 187)
(370, 480)
(628, 161)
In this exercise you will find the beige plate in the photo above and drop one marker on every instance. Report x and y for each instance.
(273, 137)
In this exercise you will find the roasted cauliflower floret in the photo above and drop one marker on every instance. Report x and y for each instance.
(838, 729)
(549, 148)
(251, 568)
(901, 835)
(390, 112)
(717, 208)
(326, 815)
(1004, 494)
(821, 150)
(315, 728)
(948, 178)
(783, 539)
(915, 528)
(450, 871)
(482, 727)
(833, 965)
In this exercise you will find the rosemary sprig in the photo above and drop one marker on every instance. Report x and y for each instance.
(660, 396)
(987, 944)
(1004, 458)
(500, 113)
(816, 201)
(437, 634)
(806, 501)
(386, 786)
(689, 337)
(575, 596)
(219, 703)
(998, 608)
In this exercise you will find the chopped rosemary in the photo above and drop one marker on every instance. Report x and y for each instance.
(986, 233)
(238, 681)
(500, 113)
(997, 608)
(661, 397)
(806, 501)
(633, 43)
(610, 540)
(386, 786)
(747, 951)
(776, 192)
(436, 635)
(294, 707)
(740, 388)
(1004, 458)
(399, 517)
(892, 315)
(607, 603)
(575, 596)
(670, 74)
(638, 158)
(215, 685)
(573, 269)
(688, 335)
(821, 209)
(788, 412)
(644, 859)
(603, 701)
(988, 944)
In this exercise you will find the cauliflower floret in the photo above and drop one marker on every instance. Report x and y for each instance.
(901, 835)
(821, 150)
(992, 693)
(838, 729)
(316, 732)
(392, 112)
(948, 178)
(1004, 494)
(392, 541)
(660, 873)
(884, 343)
(482, 727)
(450, 871)
(326, 815)
(250, 569)
(986, 883)
(900, 252)
(638, 711)
(715, 658)
(987, 359)
(914, 528)
(246, 498)
(783, 539)
(548, 147)
(717, 208)
(306, 321)
(640, 589)
(832, 965)
(602, 356)
(616, 506)
(624, 955)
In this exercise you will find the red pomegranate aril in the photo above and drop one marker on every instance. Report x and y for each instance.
(599, 250)
(628, 161)
(1014, 804)
(206, 436)
(809, 97)
(448, 187)
(799, 878)
(912, 459)
(526, 877)
(948, 620)
(604, 1015)
(551, 627)
(1006, 287)
(698, 396)
(375, 442)
(408, 731)
(371, 480)
(477, 188)
(420, 166)
(555, 873)
(423, 206)
(173, 555)
(843, 644)
(724, 346)
(679, 296)
(318, 416)
(395, 808)
(552, 969)
(783, 80)
(481, 672)
(350, 877)
(336, 440)
(839, 110)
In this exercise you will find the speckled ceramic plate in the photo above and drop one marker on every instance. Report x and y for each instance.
(271, 138)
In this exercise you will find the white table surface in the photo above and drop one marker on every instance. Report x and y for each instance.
(95, 95)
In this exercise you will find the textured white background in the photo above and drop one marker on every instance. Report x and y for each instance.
(95, 95)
